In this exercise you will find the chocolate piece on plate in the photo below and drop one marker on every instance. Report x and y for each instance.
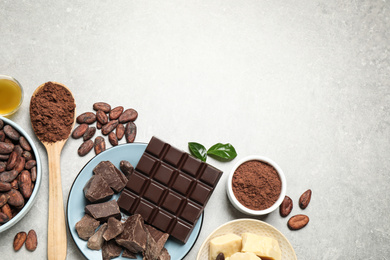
(95, 242)
(86, 227)
(126, 168)
(127, 254)
(97, 189)
(169, 188)
(115, 227)
(115, 178)
(133, 236)
(103, 211)
(155, 241)
(110, 250)
(164, 255)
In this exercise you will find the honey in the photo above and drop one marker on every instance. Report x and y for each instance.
(10, 96)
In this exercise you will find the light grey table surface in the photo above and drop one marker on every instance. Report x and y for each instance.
(305, 83)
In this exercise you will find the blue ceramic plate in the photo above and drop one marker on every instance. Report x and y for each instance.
(76, 201)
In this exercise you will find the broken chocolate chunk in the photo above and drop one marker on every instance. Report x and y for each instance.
(103, 211)
(95, 242)
(133, 236)
(164, 255)
(114, 228)
(126, 168)
(114, 177)
(110, 250)
(86, 227)
(155, 241)
(97, 189)
(127, 254)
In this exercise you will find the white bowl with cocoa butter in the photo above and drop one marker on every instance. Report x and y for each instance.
(256, 185)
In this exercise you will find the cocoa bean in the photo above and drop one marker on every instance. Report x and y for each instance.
(286, 206)
(126, 168)
(115, 113)
(18, 149)
(32, 240)
(3, 218)
(24, 143)
(24, 181)
(3, 166)
(20, 164)
(100, 145)
(5, 186)
(2, 136)
(128, 115)
(79, 131)
(6, 148)
(98, 125)
(85, 148)
(304, 200)
(107, 128)
(6, 209)
(19, 240)
(30, 164)
(87, 118)
(120, 131)
(8, 176)
(11, 133)
(89, 133)
(130, 132)
(4, 157)
(12, 160)
(4, 197)
(297, 222)
(1, 124)
(102, 106)
(101, 117)
(15, 198)
(27, 155)
(14, 184)
(8, 141)
(113, 139)
(33, 172)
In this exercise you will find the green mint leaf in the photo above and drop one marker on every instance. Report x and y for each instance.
(198, 150)
(222, 151)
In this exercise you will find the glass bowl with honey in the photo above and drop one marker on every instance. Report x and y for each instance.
(11, 95)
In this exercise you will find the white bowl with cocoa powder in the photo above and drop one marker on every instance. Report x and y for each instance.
(256, 185)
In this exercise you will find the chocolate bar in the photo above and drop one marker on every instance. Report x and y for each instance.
(169, 189)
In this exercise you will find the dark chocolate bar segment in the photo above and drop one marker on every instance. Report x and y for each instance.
(169, 188)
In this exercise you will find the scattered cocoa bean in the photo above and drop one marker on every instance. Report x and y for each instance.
(98, 125)
(120, 131)
(11, 133)
(286, 206)
(15, 198)
(12, 160)
(304, 200)
(27, 155)
(107, 128)
(30, 164)
(128, 115)
(115, 113)
(113, 139)
(32, 240)
(87, 118)
(19, 240)
(100, 145)
(79, 131)
(102, 106)
(101, 117)
(6, 147)
(33, 172)
(130, 132)
(6, 209)
(89, 133)
(85, 148)
(24, 182)
(5, 186)
(20, 164)
(297, 222)
(4, 197)
(24, 143)
(8, 176)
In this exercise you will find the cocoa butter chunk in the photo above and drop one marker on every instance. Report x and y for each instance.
(103, 211)
(96, 241)
(126, 168)
(86, 227)
(115, 178)
(127, 254)
(164, 255)
(155, 241)
(133, 236)
(114, 228)
(97, 189)
(110, 250)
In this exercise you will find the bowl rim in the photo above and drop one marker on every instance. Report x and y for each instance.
(37, 184)
(241, 207)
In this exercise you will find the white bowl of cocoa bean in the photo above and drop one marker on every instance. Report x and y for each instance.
(20, 173)
(256, 185)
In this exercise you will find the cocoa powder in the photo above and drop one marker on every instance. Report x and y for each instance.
(256, 185)
(52, 111)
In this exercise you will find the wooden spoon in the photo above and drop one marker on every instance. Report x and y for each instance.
(56, 236)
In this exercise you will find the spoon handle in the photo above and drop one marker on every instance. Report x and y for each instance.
(56, 236)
